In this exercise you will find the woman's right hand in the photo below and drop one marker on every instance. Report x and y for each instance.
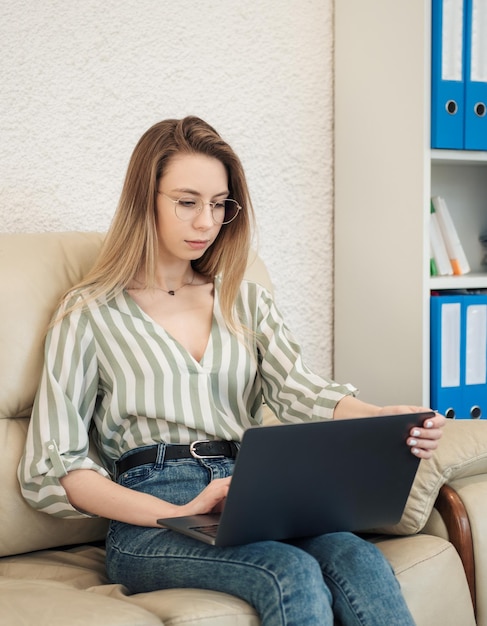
(210, 500)
(95, 494)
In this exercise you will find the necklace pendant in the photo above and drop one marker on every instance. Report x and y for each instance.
(171, 293)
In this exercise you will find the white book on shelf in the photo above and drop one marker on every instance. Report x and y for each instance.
(453, 244)
(438, 247)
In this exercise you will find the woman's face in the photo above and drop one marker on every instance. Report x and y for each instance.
(192, 177)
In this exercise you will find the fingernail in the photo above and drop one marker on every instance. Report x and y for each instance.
(413, 442)
(415, 450)
(416, 432)
(428, 424)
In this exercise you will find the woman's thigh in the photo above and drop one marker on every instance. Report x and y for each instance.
(282, 582)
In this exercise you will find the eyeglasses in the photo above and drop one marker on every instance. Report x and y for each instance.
(222, 211)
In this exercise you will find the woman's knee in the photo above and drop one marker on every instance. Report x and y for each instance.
(291, 561)
(347, 549)
(292, 585)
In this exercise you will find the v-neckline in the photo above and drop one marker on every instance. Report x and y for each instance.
(186, 354)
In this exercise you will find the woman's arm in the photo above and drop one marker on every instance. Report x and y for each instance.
(422, 441)
(91, 492)
(294, 393)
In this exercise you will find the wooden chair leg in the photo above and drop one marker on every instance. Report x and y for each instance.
(452, 510)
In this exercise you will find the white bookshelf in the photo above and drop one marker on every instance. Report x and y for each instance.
(385, 174)
(473, 280)
(469, 157)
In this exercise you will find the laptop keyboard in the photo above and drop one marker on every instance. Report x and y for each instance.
(209, 529)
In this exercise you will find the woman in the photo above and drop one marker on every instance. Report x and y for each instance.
(164, 344)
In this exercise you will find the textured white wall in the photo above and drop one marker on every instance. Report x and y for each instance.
(82, 80)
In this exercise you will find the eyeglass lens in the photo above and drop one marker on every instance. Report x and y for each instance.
(223, 211)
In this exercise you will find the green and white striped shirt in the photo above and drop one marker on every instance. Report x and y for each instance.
(109, 365)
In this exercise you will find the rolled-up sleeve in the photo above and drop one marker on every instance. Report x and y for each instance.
(290, 388)
(58, 435)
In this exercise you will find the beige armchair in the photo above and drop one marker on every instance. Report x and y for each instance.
(52, 570)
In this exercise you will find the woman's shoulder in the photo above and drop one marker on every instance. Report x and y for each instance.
(81, 302)
(254, 297)
(249, 287)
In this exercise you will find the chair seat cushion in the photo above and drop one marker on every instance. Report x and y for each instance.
(428, 569)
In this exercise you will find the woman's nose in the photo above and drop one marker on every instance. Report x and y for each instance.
(204, 219)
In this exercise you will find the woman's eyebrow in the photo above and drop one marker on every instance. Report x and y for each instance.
(197, 193)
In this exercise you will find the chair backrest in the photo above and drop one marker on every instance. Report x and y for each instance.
(35, 270)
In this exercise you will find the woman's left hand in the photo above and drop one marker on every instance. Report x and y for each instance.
(424, 439)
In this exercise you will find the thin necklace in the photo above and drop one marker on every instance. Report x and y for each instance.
(171, 292)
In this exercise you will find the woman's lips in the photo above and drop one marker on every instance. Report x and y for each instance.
(197, 244)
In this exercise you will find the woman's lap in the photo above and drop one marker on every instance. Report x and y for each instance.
(288, 583)
(281, 581)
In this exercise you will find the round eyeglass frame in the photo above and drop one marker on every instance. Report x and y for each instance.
(198, 209)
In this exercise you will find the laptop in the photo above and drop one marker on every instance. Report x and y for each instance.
(306, 479)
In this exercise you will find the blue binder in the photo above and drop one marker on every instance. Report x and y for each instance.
(475, 137)
(474, 398)
(459, 355)
(445, 355)
(448, 74)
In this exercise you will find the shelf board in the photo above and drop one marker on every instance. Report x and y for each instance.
(475, 280)
(466, 157)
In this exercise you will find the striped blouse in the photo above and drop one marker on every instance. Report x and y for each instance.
(109, 366)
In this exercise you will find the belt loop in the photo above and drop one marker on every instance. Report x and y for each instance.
(161, 453)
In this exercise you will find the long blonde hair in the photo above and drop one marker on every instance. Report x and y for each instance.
(130, 246)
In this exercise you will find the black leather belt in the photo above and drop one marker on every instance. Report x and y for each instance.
(195, 450)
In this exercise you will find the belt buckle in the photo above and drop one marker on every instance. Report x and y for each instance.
(192, 450)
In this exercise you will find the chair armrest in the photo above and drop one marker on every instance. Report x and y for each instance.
(452, 510)
(462, 453)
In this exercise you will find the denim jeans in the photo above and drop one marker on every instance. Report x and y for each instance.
(303, 582)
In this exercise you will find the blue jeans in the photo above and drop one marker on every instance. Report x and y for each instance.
(303, 582)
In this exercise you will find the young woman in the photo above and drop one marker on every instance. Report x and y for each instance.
(163, 345)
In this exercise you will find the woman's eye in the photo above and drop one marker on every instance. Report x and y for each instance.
(220, 205)
(187, 203)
